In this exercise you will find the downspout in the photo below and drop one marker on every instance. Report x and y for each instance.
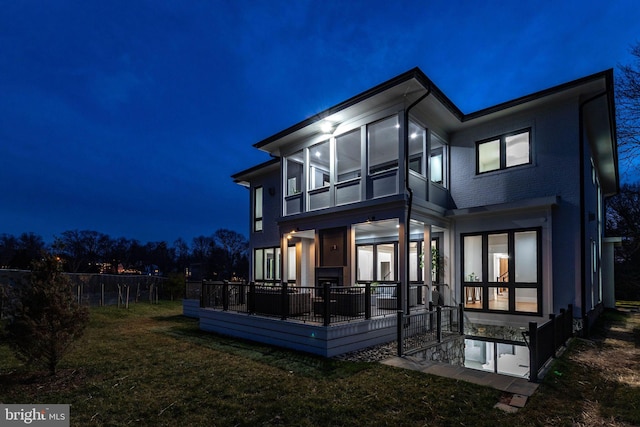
(583, 225)
(409, 191)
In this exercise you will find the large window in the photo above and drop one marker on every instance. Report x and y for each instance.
(504, 151)
(266, 265)
(438, 160)
(294, 183)
(386, 262)
(295, 167)
(365, 263)
(502, 271)
(383, 145)
(291, 262)
(414, 261)
(257, 209)
(417, 142)
(377, 262)
(319, 163)
(348, 156)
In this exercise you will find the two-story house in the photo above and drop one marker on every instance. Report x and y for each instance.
(500, 210)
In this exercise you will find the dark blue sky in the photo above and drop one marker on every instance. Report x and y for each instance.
(128, 117)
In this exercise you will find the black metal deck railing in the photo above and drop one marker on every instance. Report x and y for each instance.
(324, 304)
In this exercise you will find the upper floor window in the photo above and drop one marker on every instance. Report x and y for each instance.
(295, 168)
(383, 146)
(348, 156)
(257, 209)
(417, 142)
(438, 160)
(503, 152)
(319, 164)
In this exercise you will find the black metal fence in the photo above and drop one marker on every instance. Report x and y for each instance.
(417, 331)
(544, 340)
(317, 304)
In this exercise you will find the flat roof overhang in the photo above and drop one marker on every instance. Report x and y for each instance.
(243, 177)
(406, 88)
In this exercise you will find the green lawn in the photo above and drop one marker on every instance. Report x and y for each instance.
(150, 366)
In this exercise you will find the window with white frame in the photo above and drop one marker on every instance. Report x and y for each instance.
(502, 152)
(501, 271)
(383, 145)
(348, 156)
(294, 169)
(417, 143)
(319, 165)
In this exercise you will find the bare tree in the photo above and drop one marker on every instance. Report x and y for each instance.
(628, 110)
(8, 250)
(182, 254)
(29, 247)
(623, 219)
(83, 249)
(234, 246)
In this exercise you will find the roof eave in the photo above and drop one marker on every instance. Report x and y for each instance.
(607, 75)
(414, 73)
(243, 177)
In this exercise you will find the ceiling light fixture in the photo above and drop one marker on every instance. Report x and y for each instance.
(326, 127)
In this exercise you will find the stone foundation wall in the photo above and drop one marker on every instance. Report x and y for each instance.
(450, 351)
(507, 333)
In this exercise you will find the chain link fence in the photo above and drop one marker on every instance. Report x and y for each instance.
(97, 290)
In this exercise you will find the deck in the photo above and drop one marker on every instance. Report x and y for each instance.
(300, 318)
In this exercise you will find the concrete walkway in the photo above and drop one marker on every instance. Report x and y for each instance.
(517, 386)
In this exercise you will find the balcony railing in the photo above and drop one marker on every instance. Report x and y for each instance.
(314, 304)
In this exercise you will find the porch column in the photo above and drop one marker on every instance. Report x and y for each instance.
(403, 264)
(307, 265)
(607, 268)
(426, 265)
(284, 261)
